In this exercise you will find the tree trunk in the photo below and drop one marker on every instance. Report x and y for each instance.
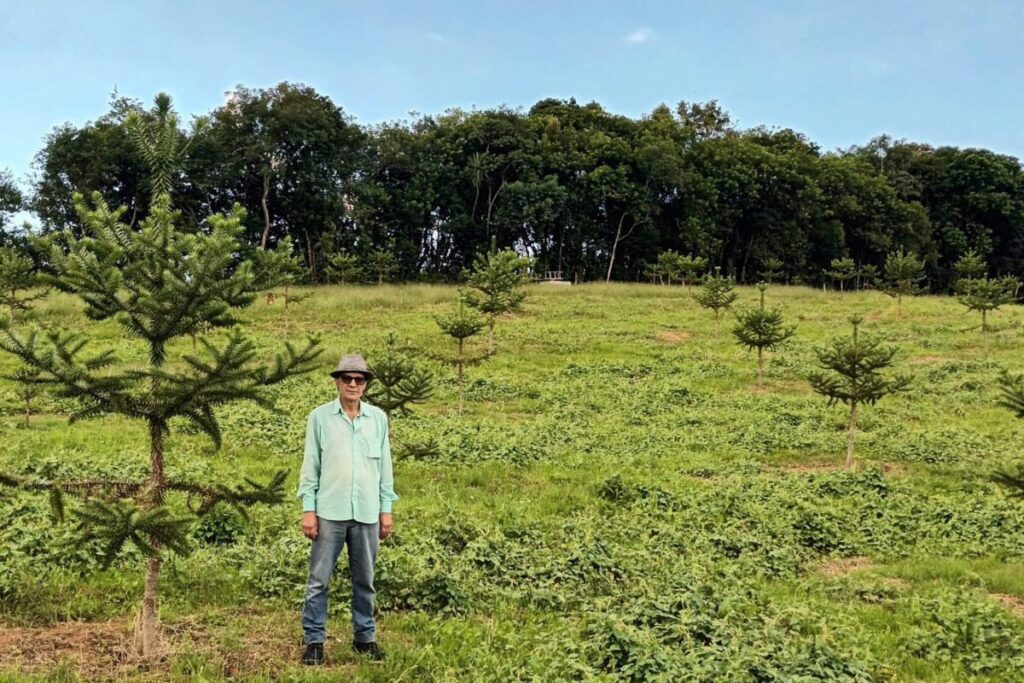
(760, 368)
(147, 629)
(490, 335)
(266, 211)
(615, 245)
(850, 433)
(984, 323)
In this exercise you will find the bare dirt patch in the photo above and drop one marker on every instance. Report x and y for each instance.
(927, 360)
(97, 650)
(1013, 603)
(672, 336)
(890, 468)
(843, 566)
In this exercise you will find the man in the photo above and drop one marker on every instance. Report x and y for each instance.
(347, 488)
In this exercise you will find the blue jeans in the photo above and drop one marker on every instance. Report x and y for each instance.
(362, 541)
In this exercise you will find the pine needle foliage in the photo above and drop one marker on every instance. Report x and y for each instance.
(761, 329)
(160, 141)
(984, 294)
(161, 284)
(495, 286)
(717, 293)
(691, 267)
(970, 265)
(344, 267)
(399, 383)
(841, 270)
(461, 324)
(18, 281)
(903, 273)
(852, 373)
(773, 268)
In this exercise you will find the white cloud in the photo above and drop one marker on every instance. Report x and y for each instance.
(641, 35)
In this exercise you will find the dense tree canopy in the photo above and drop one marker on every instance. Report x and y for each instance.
(579, 189)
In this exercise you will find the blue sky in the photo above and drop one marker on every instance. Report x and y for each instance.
(940, 72)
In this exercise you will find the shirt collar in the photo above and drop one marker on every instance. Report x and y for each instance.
(336, 407)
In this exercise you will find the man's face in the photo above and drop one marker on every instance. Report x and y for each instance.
(351, 385)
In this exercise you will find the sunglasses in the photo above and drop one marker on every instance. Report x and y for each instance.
(359, 380)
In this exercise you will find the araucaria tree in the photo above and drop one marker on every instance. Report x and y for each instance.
(772, 268)
(691, 267)
(344, 267)
(162, 284)
(761, 329)
(851, 373)
(17, 278)
(903, 274)
(496, 286)
(277, 267)
(398, 383)
(842, 269)
(460, 325)
(717, 293)
(984, 295)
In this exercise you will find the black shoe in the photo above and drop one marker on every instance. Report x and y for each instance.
(314, 654)
(370, 649)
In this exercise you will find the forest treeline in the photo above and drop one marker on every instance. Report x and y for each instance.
(582, 190)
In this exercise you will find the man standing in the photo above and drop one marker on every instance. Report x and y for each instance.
(347, 487)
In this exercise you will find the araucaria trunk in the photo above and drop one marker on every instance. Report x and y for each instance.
(849, 436)
(760, 368)
(147, 632)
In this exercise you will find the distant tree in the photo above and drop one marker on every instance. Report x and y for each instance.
(277, 267)
(984, 295)
(28, 383)
(496, 286)
(868, 276)
(460, 325)
(345, 267)
(398, 383)
(761, 329)
(903, 275)
(691, 267)
(851, 373)
(11, 201)
(773, 267)
(842, 269)
(18, 281)
(382, 264)
(717, 293)
(970, 266)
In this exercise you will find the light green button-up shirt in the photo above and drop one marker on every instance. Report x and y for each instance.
(346, 470)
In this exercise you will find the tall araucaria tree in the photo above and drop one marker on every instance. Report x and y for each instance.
(496, 286)
(761, 329)
(162, 284)
(851, 373)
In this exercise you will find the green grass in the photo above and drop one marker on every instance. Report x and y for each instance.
(619, 502)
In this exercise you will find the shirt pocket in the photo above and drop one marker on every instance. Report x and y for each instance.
(369, 447)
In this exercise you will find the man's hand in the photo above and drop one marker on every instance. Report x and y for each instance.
(385, 525)
(309, 525)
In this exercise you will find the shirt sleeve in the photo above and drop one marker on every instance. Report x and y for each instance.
(387, 477)
(309, 476)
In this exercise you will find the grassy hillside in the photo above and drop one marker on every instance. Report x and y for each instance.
(619, 502)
